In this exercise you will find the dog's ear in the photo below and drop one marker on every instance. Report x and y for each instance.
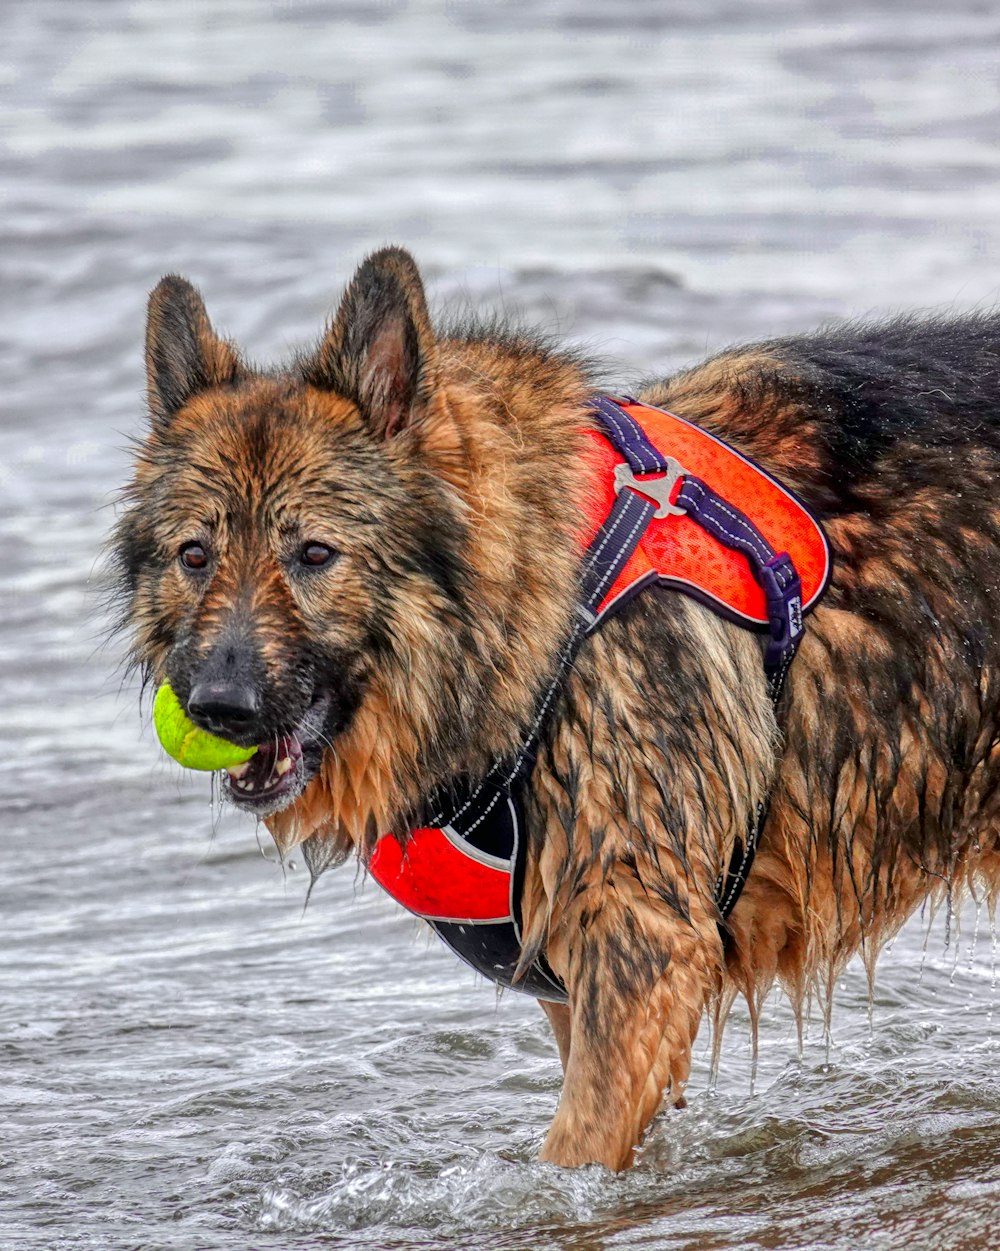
(184, 355)
(380, 350)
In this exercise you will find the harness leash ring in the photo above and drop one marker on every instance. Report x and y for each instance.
(658, 489)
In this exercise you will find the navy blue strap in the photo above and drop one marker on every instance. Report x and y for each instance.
(628, 436)
(774, 571)
(611, 550)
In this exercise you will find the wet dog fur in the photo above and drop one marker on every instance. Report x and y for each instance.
(376, 548)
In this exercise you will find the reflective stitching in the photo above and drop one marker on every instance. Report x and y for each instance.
(705, 503)
(611, 414)
(640, 521)
(739, 880)
(783, 572)
(753, 540)
(616, 425)
(749, 537)
(643, 439)
(483, 815)
(616, 421)
(778, 681)
(592, 561)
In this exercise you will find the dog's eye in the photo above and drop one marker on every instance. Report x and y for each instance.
(193, 556)
(315, 555)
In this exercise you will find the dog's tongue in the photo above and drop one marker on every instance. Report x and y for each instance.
(271, 762)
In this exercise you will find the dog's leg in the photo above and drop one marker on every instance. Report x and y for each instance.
(560, 1021)
(638, 984)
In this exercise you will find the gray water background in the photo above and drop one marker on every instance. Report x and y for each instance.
(186, 1059)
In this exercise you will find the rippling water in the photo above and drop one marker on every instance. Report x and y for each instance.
(188, 1059)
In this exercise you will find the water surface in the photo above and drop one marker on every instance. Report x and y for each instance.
(188, 1060)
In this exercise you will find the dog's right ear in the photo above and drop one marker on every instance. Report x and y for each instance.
(184, 355)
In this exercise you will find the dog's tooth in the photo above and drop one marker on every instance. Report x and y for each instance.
(283, 765)
(238, 771)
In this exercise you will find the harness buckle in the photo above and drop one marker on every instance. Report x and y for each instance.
(657, 489)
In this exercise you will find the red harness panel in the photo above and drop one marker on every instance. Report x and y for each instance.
(683, 553)
(443, 880)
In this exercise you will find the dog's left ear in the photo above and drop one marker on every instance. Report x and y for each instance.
(380, 351)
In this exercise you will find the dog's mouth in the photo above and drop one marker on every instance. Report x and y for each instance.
(272, 774)
(279, 770)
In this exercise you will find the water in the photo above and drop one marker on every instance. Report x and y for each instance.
(188, 1060)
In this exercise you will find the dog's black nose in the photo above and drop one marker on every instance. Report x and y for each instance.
(224, 707)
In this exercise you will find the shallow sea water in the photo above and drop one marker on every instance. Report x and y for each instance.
(189, 1060)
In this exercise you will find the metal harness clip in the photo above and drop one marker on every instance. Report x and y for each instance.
(656, 489)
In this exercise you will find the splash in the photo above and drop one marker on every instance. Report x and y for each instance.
(481, 1194)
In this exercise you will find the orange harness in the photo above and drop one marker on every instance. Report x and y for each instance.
(677, 550)
(703, 520)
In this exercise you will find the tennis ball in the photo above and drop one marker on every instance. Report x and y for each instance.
(189, 746)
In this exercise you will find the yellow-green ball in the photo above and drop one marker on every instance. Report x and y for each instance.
(189, 746)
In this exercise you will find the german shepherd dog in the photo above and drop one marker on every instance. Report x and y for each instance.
(368, 563)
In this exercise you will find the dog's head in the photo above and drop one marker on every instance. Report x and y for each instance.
(288, 535)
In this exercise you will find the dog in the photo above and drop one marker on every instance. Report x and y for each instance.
(369, 562)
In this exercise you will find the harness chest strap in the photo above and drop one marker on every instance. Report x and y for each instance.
(658, 520)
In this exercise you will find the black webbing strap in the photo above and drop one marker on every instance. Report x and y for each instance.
(782, 588)
(607, 555)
